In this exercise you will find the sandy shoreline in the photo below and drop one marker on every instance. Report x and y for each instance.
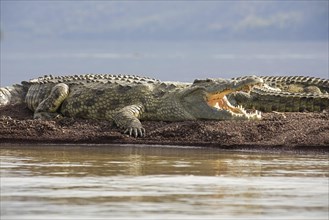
(275, 132)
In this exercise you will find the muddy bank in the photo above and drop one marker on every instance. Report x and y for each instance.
(276, 131)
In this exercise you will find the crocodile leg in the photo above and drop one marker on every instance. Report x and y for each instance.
(127, 119)
(47, 109)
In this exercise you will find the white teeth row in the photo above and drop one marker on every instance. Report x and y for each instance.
(244, 113)
(241, 108)
(256, 115)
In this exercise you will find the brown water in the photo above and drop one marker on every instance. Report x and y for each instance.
(139, 182)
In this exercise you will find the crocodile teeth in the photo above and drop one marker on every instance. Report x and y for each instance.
(217, 106)
(227, 102)
(242, 111)
(256, 115)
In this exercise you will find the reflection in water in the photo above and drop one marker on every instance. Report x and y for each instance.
(51, 182)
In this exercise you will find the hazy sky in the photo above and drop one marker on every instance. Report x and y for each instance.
(170, 40)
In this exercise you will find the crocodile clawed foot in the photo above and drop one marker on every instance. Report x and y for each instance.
(135, 132)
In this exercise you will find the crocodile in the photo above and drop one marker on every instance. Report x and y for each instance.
(285, 94)
(129, 99)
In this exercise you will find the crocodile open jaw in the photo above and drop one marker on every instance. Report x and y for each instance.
(219, 101)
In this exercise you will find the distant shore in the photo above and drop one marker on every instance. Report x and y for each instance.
(275, 132)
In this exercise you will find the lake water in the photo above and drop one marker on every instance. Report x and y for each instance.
(153, 182)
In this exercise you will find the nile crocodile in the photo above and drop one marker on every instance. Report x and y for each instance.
(128, 99)
(285, 94)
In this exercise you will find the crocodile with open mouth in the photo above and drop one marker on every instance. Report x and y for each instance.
(127, 99)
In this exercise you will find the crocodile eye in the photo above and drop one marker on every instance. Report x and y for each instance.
(203, 81)
(198, 81)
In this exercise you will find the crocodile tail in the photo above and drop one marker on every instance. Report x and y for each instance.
(281, 81)
(268, 100)
(10, 95)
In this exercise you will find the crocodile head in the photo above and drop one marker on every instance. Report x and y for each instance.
(206, 99)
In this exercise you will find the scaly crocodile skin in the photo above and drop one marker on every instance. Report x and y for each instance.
(286, 94)
(128, 99)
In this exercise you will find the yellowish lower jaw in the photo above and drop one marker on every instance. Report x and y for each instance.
(219, 101)
(215, 98)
